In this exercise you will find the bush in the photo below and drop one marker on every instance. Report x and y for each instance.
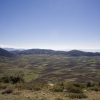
(78, 96)
(5, 79)
(79, 85)
(11, 79)
(90, 84)
(7, 91)
(16, 79)
(57, 88)
(95, 88)
(73, 89)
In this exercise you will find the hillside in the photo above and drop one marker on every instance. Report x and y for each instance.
(81, 53)
(5, 53)
(15, 52)
(41, 51)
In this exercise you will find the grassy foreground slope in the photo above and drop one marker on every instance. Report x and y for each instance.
(45, 95)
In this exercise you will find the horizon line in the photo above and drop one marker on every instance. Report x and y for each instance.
(23, 48)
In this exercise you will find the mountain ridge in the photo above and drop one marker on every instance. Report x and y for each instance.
(67, 53)
(5, 53)
(74, 52)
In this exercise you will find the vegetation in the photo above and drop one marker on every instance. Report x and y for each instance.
(49, 77)
(7, 91)
(73, 89)
(78, 96)
(11, 79)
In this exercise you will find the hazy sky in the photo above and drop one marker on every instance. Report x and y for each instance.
(50, 24)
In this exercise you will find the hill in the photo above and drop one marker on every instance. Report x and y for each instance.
(15, 52)
(67, 53)
(41, 51)
(81, 53)
(5, 53)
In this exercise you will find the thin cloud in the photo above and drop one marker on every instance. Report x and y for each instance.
(8, 46)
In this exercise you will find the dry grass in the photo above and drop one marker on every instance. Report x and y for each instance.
(7, 91)
(45, 95)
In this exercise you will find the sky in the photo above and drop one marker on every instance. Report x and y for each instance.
(50, 24)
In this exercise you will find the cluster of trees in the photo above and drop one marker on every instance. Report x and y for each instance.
(12, 79)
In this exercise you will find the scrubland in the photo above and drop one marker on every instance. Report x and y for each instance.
(28, 77)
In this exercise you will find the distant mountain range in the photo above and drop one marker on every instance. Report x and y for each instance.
(81, 53)
(41, 51)
(67, 53)
(6, 53)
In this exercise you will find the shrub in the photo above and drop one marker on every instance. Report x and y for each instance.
(7, 91)
(78, 96)
(90, 84)
(79, 85)
(57, 88)
(95, 88)
(16, 79)
(73, 89)
(5, 79)
(11, 79)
